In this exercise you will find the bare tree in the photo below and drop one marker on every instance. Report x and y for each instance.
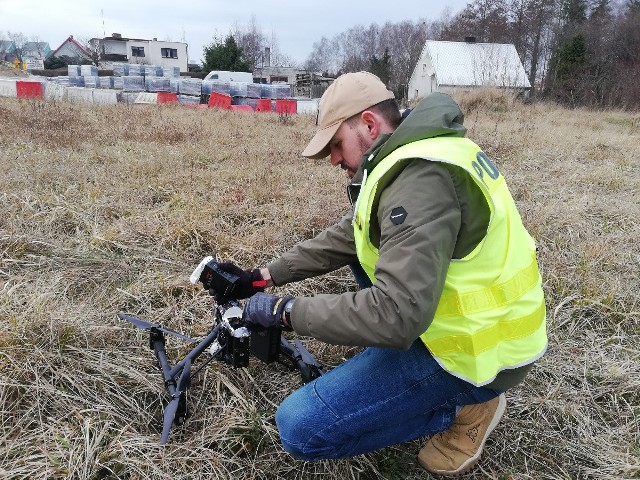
(19, 40)
(252, 42)
(397, 45)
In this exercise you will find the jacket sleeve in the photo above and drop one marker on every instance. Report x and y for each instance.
(331, 249)
(410, 273)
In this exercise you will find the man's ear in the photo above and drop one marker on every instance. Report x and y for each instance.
(372, 123)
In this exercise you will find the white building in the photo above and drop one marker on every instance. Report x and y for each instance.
(264, 72)
(73, 49)
(118, 49)
(455, 66)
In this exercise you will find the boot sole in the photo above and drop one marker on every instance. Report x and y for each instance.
(472, 461)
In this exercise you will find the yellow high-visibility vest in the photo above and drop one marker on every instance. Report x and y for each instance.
(491, 315)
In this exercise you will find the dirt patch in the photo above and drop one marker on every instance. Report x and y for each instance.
(6, 71)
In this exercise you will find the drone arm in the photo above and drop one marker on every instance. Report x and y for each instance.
(196, 352)
(307, 365)
(157, 344)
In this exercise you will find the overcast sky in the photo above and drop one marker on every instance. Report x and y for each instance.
(296, 24)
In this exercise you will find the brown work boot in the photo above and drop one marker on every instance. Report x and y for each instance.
(457, 450)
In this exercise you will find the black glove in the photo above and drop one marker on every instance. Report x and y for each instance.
(250, 282)
(264, 310)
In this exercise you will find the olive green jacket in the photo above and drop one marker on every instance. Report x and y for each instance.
(446, 217)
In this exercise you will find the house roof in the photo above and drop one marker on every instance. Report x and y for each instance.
(476, 64)
(127, 39)
(7, 46)
(76, 43)
(36, 46)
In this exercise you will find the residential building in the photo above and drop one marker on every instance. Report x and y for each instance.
(7, 51)
(265, 73)
(453, 66)
(35, 51)
(117, 49)
(73, 49)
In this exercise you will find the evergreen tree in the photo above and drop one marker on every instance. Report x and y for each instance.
(381, 67)
(574, 11)
(224, 55)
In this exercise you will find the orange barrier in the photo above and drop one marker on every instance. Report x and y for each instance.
(29, 90)
(264, 105)
(219, 100)
(286, 106)
(167, 97)
(241, 108)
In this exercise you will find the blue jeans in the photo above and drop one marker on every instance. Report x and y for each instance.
(381, 397)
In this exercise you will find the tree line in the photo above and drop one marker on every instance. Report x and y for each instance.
(577, 52)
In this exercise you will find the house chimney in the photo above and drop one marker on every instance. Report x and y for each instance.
(470, 39)
(267, 57)
(116, 35)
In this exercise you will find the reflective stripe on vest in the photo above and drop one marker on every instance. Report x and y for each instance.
(491, 315)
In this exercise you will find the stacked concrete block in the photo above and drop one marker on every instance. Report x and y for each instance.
(73, 71)
(133, 83)
(210, 86)
(157, 84)
(118, 83)
(188, 100)
(136, 70)
(174, 85)
(61, 80)
(76, 81)
(90, 81)
(265, 90)
(170, 71)
(152, 71)
(280, 90)
(120, 69)
(254, 90)
(88, 70)
(190, 86)
(105, 82)
(238, 89)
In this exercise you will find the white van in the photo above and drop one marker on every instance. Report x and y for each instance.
(224, 76)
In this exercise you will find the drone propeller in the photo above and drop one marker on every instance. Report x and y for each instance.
(144, 325)
(172, 407)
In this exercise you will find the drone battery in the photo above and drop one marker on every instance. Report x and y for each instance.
(240, 351)
(265, 344)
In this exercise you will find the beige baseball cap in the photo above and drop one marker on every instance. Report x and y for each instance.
(347, 96)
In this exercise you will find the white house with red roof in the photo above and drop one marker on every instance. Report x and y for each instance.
(72, 49)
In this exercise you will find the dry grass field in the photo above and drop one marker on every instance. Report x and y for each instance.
(104, 209)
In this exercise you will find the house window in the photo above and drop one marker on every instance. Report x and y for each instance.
(169, 52)
(137, 51)
(278, 79)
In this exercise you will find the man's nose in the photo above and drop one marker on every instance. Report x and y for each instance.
(335, 158)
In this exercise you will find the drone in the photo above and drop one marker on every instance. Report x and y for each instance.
(228, 341)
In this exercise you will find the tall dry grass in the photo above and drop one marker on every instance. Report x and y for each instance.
(109, 208)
